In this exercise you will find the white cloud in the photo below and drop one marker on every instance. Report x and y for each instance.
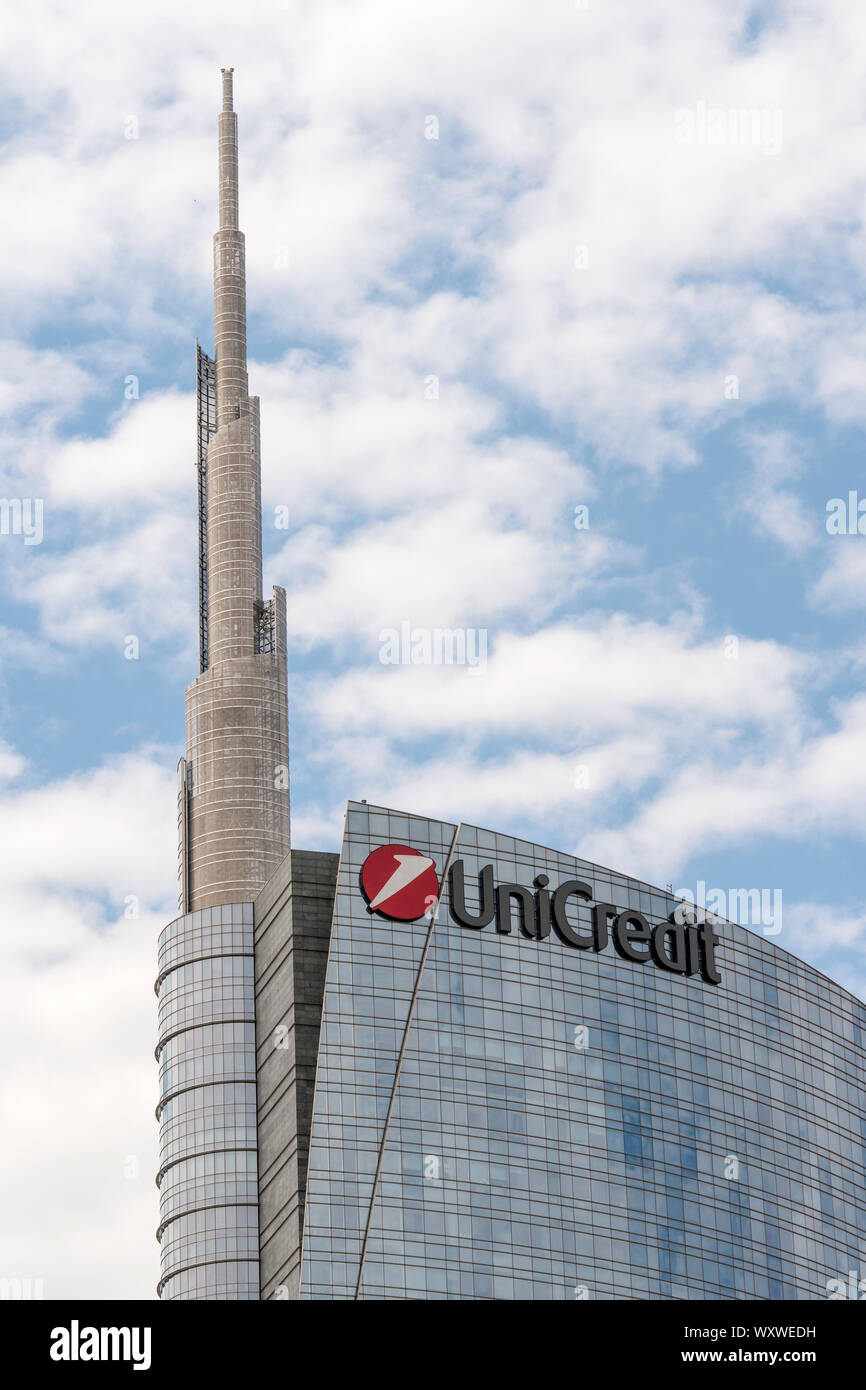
(529, 163)
(12, 764)
(145, 459)
(52, 381)
(832, 937)
(577, 681)
(138, 582)
(841, 587)
(774, 509)
(106, 829)
(79, 1208)
(776, 791)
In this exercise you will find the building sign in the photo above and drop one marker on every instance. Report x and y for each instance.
(402, 884)
(399, 882)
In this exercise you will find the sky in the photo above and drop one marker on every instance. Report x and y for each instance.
(556, 318)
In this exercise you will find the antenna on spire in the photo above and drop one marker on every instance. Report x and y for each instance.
(228, 95)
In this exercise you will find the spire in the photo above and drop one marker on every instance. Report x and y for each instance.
(228, 156)
(232, 588)
(235, 799)
(230, 330)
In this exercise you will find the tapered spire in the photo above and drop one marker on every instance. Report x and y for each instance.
(230, 326)
(235, 795)
(234, 513)
(228, 156)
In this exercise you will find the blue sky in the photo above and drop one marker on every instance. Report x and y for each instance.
(633, 258)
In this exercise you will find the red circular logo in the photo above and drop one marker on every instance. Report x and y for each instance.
(400, 882)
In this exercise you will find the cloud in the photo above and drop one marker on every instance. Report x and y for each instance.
(528, 165)
(841, 587)
(137, 582)
(777, 792)
(12, 764)
(833, 937)
(630, 743)
(50, 380)
(577, 681)
(775, 510)
(145, 460)
(88, 881)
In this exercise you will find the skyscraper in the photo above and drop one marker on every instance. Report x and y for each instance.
(233, 811)
(447, 1062)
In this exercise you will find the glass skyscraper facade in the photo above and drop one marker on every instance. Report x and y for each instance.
(567, 1123)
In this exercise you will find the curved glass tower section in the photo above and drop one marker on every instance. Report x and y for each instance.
(207, 1181)
(566, 1123)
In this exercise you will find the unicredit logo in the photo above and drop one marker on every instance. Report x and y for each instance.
(399, 882)
(402, 883)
